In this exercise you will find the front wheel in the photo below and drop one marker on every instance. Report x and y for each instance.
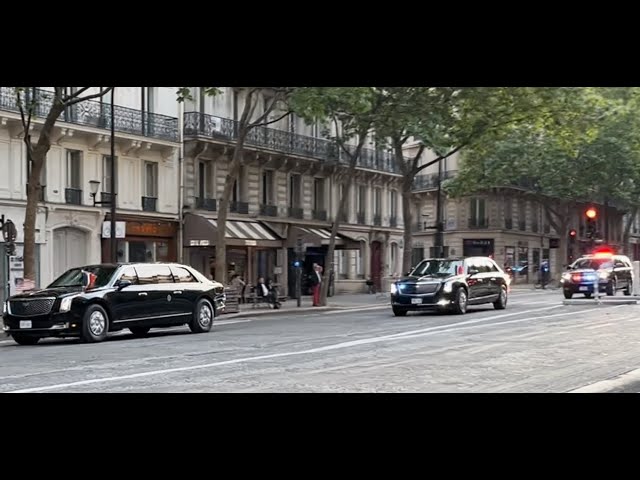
(460, 305)
(202, 317)
(399, 312)
(568, 295)
(22, 339)
(95, 324)
(501, 303)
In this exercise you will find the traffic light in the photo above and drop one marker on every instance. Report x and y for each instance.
(297, 264)
(572, 235)
(592, 215)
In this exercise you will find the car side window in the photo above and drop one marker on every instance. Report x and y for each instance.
(492, 267)
(182, 275)
(474, 265)
(129, 275)
(154, 274)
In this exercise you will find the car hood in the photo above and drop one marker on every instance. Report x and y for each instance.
(582, 270)
(425, 278)
(48, 292)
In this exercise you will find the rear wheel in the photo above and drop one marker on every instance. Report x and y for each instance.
(460, 304)
(568, 295)
(399, 312)
(612, 287)
(139, 331)
(202, 317)
(587, 295)
(629, 290)
(22, 339)
(501, 303)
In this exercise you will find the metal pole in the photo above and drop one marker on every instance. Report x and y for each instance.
(114, 246)
(298, 287)
(439, 239)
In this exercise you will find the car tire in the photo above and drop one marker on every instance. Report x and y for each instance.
(95, 324)
(588, 295)
(139, 331)
(400, 312)
(501, 303)
(568, 295)
(629, 290)
(22, 339)
(203, 316)
(461, 302)
(612, 287)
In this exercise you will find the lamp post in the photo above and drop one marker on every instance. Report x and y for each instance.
(94, 185)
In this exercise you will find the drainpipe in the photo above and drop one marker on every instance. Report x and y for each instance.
(180, 181)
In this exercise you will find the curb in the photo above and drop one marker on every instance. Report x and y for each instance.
(611, 385)
(603, 301)
(301, 310)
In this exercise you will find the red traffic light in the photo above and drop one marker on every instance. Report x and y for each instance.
(591, 213)
(572, 233)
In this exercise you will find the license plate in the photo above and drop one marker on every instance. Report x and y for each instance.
(25, 324)
(416, 301)
(584, 289)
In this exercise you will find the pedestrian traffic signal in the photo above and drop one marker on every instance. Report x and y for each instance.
(297, 264)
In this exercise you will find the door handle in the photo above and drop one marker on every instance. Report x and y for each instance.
(142, 294)
(178, 292)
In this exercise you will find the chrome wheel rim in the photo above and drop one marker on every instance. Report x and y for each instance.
(462, 301)
(205, 315)
(97, 323)
(503, 297)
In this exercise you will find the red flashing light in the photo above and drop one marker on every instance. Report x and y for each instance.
(591, 213)
(603, 252)
(572, 233)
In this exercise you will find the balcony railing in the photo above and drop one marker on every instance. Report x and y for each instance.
(97, 114)
(296, 212)
(203, 125)
(268, 210)
(344, 218)
(508, 223)
(73, 196)
(522, 225)
(534, 227)
(149, 204)
(320, 215)
(475, 222)
(106, 198)
(547, 229)
(360, 218)
(207, 204)
(393, 222)
(239, 207)
(377, 220)
(429, 182)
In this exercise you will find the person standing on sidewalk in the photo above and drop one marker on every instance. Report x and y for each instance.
(316, 282)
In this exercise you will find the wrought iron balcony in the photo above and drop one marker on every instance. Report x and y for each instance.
(430, 182)
(239, 207)
(106, 198)
(97, 114)
(360, 218)
(149, 204)
(73, 196)
(344, 218)
(475, 222)
(206, 204)
(393, 222)
(320, 215)
(377, 220)
(534, 226)
(508, 223)
(522, 225)
(296, 212)
(198, 124)
(269, 210)
(547, 228)
(419, 227)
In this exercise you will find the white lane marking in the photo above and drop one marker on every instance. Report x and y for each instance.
(326, 348)
(595, 327)
(229, 322)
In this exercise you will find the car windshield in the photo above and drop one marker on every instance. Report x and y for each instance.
(73, 277)
(437, 267)
(592, 263)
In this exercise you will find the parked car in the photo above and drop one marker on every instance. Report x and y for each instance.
(90, 301)
(450, 285)
(610, 272)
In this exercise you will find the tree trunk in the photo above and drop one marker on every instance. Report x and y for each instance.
(407, 218)
(627, 232)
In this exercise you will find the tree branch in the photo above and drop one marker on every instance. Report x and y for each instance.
(440, 158)
(74, 94)
(75, 100)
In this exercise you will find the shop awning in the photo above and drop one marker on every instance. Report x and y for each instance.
(319, 237)
(201, 232)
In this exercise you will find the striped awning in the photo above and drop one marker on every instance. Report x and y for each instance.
(246, 230)
(323, 233)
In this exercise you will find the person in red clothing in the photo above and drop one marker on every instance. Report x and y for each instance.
(316, 282)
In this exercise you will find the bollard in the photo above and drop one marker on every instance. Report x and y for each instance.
(636, 279)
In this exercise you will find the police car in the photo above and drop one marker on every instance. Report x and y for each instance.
(608, 271)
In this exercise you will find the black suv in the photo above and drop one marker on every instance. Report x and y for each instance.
(450, 285)
(88, 302)
(610, 272)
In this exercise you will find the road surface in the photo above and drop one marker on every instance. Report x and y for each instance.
(535, 345)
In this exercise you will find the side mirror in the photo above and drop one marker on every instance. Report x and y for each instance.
(122, 284)
(472, 271)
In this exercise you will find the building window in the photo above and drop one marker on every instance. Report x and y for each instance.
(478, 212)
(377, 201)
(362, 199)
(74, 169)
(393, 201)
(267, 187)
(394, 259)
(151, 179)
(522, 214)
(205, 180)
(318, 194)
(295, 191)
(106, 173)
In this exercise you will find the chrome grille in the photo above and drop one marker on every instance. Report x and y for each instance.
(414, 289)
(31, 307)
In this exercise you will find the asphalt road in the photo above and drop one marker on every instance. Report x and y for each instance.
(535, 345)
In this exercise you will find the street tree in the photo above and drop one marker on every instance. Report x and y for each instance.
(40, 110)
(252, 117)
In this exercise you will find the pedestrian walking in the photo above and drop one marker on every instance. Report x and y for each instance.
(316, 283)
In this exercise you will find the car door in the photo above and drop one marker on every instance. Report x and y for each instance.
(156, 283)
(186, 289)
(127, 304)
(476, 282)
(494, 277)
(622, 271)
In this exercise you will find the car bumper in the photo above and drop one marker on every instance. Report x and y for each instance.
(584, 287)
(427, 302)
(52, 325)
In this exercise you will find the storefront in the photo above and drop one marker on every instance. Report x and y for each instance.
(478, 247)
(145, 241)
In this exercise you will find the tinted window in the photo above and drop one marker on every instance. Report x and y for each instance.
(593, 263)
(182, 275)
(436, 267)
(153, 274)
(73, 277)
(476, 264)
(491, 265)
(129, 275)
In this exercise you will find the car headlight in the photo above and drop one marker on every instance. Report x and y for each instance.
(603, 275)
(4, 307)
(65, 304)
(394, 289)
(448, 287)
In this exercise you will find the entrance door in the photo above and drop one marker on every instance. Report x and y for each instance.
(376, 265)
(69, 250)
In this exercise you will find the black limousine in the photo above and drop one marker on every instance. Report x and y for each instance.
(450, 285)
(91, 301)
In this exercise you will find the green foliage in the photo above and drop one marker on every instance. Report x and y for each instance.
(185, 93)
